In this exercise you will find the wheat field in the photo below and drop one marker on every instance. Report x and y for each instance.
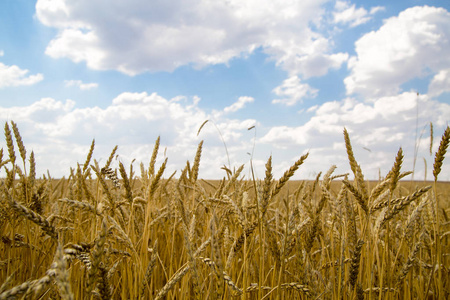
(105, 233)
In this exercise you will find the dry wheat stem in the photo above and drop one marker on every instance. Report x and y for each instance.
(149, 270)
(308, 243)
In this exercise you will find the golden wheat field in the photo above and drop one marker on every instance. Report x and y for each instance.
(105, 233)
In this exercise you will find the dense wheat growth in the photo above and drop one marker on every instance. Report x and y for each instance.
(106, 232)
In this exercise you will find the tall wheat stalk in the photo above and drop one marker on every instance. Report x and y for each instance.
(105, 232)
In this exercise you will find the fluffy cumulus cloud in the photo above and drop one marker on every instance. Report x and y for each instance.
(15, 76)
(377, 129)
(60, 133)
(440, 83)
(138, 36)
(413, 44)
(349, 14)
(293, 91)
(80, 84)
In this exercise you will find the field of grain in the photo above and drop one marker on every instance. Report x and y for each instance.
(131, 234)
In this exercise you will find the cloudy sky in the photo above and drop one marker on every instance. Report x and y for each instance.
(125, 72)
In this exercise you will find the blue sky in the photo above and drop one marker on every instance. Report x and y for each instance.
(299, 71)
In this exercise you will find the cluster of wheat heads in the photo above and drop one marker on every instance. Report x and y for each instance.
(110, 234)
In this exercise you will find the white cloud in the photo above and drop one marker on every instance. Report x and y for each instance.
(15, 76)
(78, 83)
(440, 83)
(60, 133)
(139, 36)
(283, 136)
(2, 53)
(375, 9)
(408, 46)
(292, 91)
(349, 14)
(238, 104)
(381, 126)
(78, 46)
(306, 54)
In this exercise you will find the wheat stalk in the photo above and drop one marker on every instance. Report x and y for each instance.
(149, 270)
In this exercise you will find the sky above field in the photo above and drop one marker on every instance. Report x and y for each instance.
(278, 78)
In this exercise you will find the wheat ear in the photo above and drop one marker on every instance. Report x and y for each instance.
(22, 151)
(180, 273)
(151, 167)
(16, 291)
(239, 242)
(149, 270)
(226, 277)
(111, 156)
(265, 197)
(104, 288)
(232, 180)
(395, 171)
(126, 183)
(89, 156)
(288, 174)
(156, 179)
(96, 256)
(32, 174)
(31, 215)
(62, 275)
(196, 165)
(356, 169)
(358, 196)
(298, 287)
(408, 264)
(354, 264)
(405, 201)
(10, 144)
(440, 154)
